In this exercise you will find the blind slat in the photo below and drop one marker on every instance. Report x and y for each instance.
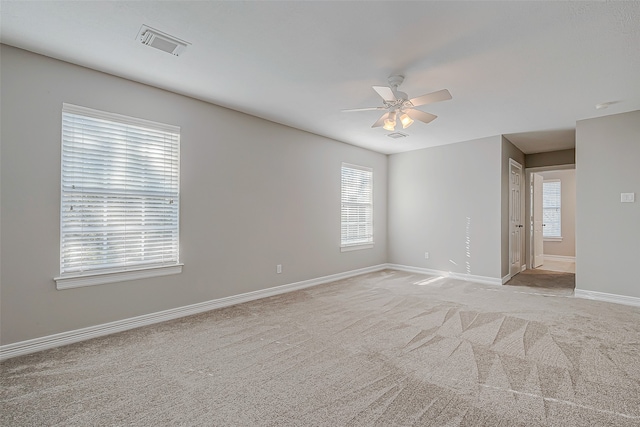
(551, 209)
(120, 192)
(356, 205)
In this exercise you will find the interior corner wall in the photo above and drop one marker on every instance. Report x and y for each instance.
(253, 194)
(445, 200)
(608, 231)
(509, 151)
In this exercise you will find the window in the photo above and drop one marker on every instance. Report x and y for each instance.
(119, 198)
(551, 214)
(357, 208)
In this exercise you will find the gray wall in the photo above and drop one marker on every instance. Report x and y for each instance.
(510, 151)
(551, 158)
(253, 194)
(607, 231)
(567, 247)
(446, 201)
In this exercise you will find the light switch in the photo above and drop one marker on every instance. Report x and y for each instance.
(627, 197)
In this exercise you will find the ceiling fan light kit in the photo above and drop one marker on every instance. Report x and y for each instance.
(390, 121)
(405, 120)
(398, 104)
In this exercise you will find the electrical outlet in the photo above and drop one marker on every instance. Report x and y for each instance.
(279, 268)
(426, 255)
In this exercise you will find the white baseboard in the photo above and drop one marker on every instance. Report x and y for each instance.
(602, 296)
(51, 341)
(460, 276)
(419, 270)
(477, 279)
(559, 258)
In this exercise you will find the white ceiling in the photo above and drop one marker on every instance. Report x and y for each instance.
(528, 70)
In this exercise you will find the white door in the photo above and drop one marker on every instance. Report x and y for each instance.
(515, 217)
(538, 248)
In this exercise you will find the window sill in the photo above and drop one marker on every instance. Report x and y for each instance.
(77, 281)
(552, 239)
(356, 247)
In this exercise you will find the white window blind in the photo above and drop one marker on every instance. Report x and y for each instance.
(120, 193)
(551, 215)
(357, 205)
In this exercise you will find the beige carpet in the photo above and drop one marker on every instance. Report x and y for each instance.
(384, 349)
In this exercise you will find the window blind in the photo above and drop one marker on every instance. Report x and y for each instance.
(357, 205)
(551, 215)
(119, 192)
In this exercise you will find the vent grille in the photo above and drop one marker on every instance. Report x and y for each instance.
(396, 135)
(162, 41)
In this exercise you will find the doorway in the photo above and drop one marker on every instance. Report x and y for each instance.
(551, 221)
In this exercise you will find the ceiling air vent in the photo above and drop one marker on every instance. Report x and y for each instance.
(396, 135)
(163, 41)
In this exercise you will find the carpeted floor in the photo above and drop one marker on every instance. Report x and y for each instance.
(383, 349)
(545, 279)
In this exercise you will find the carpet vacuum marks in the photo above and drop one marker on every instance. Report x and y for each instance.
(387, 348)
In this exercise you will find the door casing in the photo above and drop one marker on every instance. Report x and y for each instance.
(536, 221)
(516, 217)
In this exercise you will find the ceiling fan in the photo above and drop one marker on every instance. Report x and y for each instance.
(399, 106)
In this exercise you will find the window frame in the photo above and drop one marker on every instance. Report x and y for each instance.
(103, 274)
(369, 243)
(556, 237)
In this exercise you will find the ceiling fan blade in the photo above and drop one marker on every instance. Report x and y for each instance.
(364, 109)
(430, 98)
(385, 92)
(380, 121)
(421, 115)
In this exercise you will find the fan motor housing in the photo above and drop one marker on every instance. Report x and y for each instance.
(395, 80)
